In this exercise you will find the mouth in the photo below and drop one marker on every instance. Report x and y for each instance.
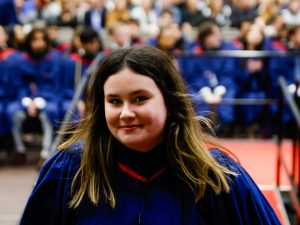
(130, 128)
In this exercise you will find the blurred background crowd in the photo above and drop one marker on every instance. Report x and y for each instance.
(47, 45)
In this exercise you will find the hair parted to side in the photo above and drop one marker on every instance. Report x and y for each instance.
(186, 143)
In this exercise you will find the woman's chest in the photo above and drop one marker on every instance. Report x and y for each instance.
(158, 203)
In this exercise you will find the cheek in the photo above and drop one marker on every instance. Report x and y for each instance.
(111, 116)
(157, 117)
(162, 120)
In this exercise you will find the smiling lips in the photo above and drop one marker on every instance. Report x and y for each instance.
(130, 128)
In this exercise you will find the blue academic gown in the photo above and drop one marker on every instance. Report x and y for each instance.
(253, 85)
(3, 125)
(35, 78)
(285, 67)
(159, 202)
(6, 91)
(204, 71)
(70, 80)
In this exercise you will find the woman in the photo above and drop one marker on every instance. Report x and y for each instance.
(139, 156)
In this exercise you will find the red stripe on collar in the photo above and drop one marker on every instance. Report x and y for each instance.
(135, 175)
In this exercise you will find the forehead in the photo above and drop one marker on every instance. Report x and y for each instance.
(127, 80)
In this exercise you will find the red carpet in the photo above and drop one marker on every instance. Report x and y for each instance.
(259, 158)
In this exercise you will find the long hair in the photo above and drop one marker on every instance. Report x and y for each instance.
(185, 142)
(30, 37)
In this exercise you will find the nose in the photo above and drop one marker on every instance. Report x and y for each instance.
(127, 112)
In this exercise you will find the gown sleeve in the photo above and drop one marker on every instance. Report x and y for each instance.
(244, 204)
(48, 202)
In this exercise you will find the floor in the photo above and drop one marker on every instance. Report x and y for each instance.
(16, 183)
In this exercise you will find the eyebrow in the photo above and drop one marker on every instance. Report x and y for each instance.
(132, 93)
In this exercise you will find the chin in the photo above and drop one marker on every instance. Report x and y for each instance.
(140, 147)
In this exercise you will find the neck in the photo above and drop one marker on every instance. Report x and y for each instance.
(146, 164)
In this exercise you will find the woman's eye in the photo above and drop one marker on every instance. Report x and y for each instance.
(114, 101)
(140, 99)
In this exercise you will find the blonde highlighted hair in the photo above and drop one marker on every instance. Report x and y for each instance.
(186, 143)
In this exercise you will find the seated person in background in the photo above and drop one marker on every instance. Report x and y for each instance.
(119, 37)
(276, 30)
(135, 32)
(211, 78)
(289, 68)
(53, 33)
(3, 125)
(169, 40)
(75, 65)
(254, 82)
(16, 37)
(34, 76)
(5, 90)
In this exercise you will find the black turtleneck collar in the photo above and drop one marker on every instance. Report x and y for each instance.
(146, 164)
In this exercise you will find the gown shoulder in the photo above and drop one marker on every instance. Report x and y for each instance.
(243, 204)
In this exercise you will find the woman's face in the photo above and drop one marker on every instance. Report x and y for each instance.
(135, 110)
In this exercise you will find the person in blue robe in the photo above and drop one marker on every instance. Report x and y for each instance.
(139, 156)
(5, 92)
(254, 83)
(287, 67)
(73, 69)
(34, 79)
(3, 125)
(3, 99)
(211, 78)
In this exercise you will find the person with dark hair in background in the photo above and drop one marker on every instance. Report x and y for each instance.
(34, 77)
(16, 37)
(140, 156)
(55, 42)
(254, 81)
(169, 40)
(212, 78)
(75, 65)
